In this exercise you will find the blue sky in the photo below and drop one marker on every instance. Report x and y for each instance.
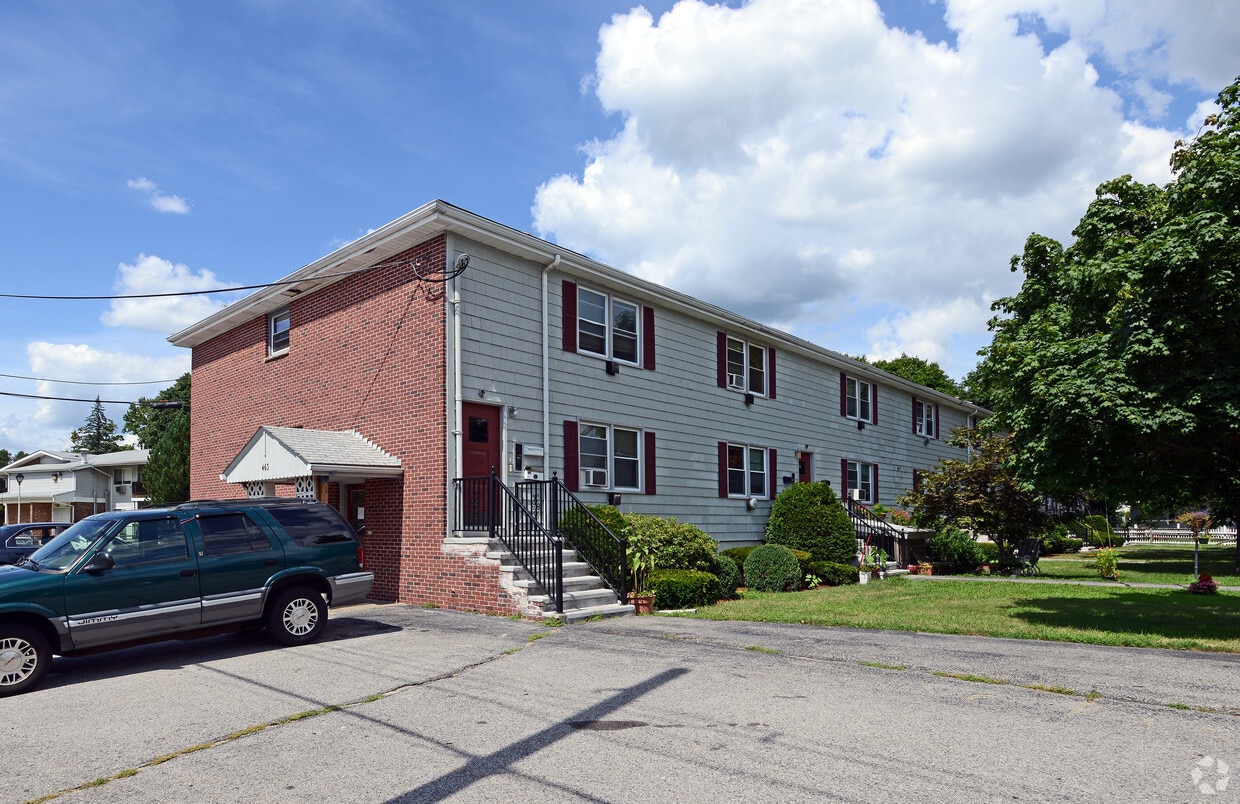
(856, 173)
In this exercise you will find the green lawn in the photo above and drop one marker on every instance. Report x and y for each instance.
(1100, 615)
(1150, 563)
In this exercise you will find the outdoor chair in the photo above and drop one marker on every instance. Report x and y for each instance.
(1027, 556)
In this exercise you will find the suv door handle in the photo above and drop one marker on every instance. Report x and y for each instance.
(189, 573)
(270, 562)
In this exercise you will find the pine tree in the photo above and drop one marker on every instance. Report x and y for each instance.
(98, 435)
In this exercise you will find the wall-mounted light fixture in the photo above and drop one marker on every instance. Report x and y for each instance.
(751, 503)
(482, 393)
(513, 411)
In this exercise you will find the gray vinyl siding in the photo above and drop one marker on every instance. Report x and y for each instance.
(680, 401)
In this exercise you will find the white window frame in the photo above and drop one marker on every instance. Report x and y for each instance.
(749, 473)
(860, 399)
(925, 422)
(742, 354)
(861, 477)
(616, 454)
(613, 307)
(276, 334)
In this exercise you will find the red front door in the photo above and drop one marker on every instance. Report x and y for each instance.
(805, 467)
(480, 456)
(481, 443)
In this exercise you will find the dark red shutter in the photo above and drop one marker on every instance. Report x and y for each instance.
(874, 403)
(770, 361)
(936, 421)
(568, 315)
(844, 478)
(648, 338)
(721, 362)
(843, 394)
(916, 480)
(874, 486)
(649, 461)
(916, 414)
(572, 467)
(771, 473)
(723, 468)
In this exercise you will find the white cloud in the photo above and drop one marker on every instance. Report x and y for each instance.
(49, 424)
(159, 200)
(151, 274)
(802, 163)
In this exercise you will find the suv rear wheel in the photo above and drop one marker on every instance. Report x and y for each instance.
(296, 616)
(25, 658)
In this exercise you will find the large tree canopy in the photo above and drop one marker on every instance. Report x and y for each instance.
(165, 432)
(1117, 366)
(921, 371)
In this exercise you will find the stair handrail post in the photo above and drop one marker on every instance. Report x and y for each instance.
(557, 543)
(492, 502)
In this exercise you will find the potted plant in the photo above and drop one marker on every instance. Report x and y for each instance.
(864, 572)
(925, 568)
(639, 558)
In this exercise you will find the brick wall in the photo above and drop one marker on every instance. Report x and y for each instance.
(368, 354)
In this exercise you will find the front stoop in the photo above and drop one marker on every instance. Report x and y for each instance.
(585, 594)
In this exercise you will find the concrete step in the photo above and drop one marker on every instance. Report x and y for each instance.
(575, 583)
(592, 612)
(578, 599)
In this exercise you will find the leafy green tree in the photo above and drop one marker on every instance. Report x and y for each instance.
(165, 432)
(1117, 367)
(98, 435)
(922, 372)
(980, 493)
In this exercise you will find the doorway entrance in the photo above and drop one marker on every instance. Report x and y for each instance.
(805, 468)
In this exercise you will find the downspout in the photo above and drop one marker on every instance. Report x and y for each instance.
(457, 459)
(546, 368)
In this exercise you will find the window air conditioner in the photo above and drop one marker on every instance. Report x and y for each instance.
(736, 381)
(121, 488)
(596, 477)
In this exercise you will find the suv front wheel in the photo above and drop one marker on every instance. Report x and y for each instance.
(296, 616)
(25, 658)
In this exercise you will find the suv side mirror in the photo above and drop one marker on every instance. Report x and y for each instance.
(99, 562)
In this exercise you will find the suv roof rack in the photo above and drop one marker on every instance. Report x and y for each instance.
(266, 501)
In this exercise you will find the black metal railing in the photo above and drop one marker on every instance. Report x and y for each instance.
(486, 505)
(877, 533)
(578, 527)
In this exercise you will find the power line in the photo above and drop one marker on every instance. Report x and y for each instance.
(85, 382)
(68, 398)
(437, 275)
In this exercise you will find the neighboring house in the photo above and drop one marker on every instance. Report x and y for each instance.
(375, 389)
(67, 486)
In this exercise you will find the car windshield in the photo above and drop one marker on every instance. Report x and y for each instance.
(63, 551)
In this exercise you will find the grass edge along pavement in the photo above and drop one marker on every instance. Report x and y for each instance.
(1061, 612)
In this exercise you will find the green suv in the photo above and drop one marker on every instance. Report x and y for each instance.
(126, 577)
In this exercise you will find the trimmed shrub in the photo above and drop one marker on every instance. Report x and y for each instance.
(987, 552)
(1072, 545)
(739, 554)
(804, 559)
(772, 568)
(809, 517)
(729, 575)
(955, 547)
(677, 545)
(576, 522)
(683, 589)
(833, 574)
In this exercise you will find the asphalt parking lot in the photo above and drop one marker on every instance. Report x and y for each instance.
(406, 704)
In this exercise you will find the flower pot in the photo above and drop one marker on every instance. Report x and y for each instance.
(912, 569)
(863, 577)
(642, 604)
(925, 570)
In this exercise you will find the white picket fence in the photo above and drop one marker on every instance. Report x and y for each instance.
(1177, 536)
